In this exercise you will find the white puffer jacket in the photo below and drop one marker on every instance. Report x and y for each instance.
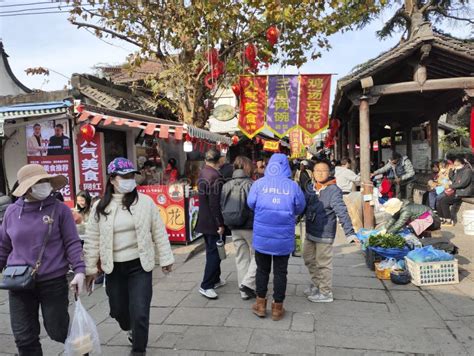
(151, 235)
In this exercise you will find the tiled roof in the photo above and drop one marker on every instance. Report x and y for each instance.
(34, 109)
(123, 74)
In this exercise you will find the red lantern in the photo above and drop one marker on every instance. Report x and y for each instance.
(272, 35)
(251, 53)
(87, 132)
(235, 139)
(236, 89)
(188, 137)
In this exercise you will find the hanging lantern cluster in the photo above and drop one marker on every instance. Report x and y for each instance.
(87, 132)
(216, 66)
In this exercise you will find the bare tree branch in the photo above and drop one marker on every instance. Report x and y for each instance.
(110, 32)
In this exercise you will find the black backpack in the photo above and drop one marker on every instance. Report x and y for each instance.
(234, 205)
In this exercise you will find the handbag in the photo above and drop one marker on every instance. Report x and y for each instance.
(23, 277)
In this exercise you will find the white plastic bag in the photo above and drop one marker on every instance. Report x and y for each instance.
(83, 337)
(388, 264)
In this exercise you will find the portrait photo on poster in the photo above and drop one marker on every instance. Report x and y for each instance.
(48, 138)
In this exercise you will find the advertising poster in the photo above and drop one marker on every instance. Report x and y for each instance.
(59, 165)
(49, 144)
(193, 210)
(170, 201)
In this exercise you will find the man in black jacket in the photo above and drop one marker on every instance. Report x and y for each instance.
(461, 186)
(59, 144)
(210, 221)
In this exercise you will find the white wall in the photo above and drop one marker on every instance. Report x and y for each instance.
(15, 153)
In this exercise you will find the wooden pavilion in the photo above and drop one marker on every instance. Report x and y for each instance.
(415, 82)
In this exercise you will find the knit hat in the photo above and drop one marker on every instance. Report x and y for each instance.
(121, 166)
(31, 174)
(393, 206)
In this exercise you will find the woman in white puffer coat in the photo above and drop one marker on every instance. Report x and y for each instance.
(123, 231)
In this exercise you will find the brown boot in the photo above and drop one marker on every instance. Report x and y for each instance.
(277, 311)
(260, 307)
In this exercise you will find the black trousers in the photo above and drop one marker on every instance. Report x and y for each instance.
(52, 297)
(129, 289)
(280, 270)
(212, 271)
(447, 207)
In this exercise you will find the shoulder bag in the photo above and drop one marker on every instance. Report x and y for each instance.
(23, 277)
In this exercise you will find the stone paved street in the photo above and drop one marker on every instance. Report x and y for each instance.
(368, 317)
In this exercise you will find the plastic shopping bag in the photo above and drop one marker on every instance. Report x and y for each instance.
(429, 254)
(83, 337)
(388, 263)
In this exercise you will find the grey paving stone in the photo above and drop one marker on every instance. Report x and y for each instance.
(158, 315)
(174, 286)
(463, 334)
(115, 350)
(356, 282)
(446, 343)
(194, 299)
(372, 332)
(107, 331)
(198, 316)
(230, 300)
(370, 295)
(168, 352)
(282, 342)
(302, 322)
(216, 339)
(157, 331)
(168, 340)
(332, 351)
(245, 318)
(167, 299)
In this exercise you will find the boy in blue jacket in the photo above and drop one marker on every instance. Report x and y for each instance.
(324, 204)
(276, 201)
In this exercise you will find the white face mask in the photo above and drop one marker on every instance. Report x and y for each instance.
(41, 191)
(125, 186)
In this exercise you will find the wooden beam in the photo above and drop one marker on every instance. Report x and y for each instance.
(352, 143)
(434, 139)
(364, 138)
(344, 140)
(430, 85)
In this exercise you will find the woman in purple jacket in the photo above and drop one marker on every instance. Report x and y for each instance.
(25, 226)
(276, 201)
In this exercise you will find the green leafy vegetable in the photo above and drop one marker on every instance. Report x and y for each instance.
(387, 241)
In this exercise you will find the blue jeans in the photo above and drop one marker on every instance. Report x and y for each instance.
(432, 199)
(212, 271)
(129, 289)
(52, 296)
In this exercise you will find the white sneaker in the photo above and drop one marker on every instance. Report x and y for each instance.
(219, 284)
(208, 293)
(321, 298)
(244, 296)
(130, 337)
(311, 290)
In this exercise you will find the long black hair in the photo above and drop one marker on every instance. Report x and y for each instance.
(88, 198)
(128, 199)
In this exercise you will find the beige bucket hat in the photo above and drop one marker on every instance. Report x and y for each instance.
(31, 174)
(393, 206)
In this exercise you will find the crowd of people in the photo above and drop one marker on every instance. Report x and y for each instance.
(256, 204)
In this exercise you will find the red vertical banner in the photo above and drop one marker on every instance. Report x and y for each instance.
(90, 161)
(55, 165)
(314, 103)
(295, 143)
(253, 104)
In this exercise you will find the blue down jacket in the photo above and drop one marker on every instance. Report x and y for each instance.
(276, 201)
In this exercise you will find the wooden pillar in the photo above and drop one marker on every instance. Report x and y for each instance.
(408, 134)
(364, 137)
(434, 139)
(352, 143)
(379, 152)
(393, 145)
(344, 141)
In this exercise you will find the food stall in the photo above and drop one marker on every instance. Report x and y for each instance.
(141, 138)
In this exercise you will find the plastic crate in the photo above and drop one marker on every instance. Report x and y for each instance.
(433, 273)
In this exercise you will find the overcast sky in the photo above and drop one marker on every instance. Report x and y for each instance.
(51, 41)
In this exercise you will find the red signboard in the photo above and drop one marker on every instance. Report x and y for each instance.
(170, 201)
(253, 104)
(314, 103)
(56, 165)
(91, 176)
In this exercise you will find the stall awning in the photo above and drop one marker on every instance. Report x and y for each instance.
(206, 135)
(150, 125)
(34, 109)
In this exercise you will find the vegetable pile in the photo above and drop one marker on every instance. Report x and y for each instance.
(387, 241)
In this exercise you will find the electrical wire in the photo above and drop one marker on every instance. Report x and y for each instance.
(36, 9)
(29, 4)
